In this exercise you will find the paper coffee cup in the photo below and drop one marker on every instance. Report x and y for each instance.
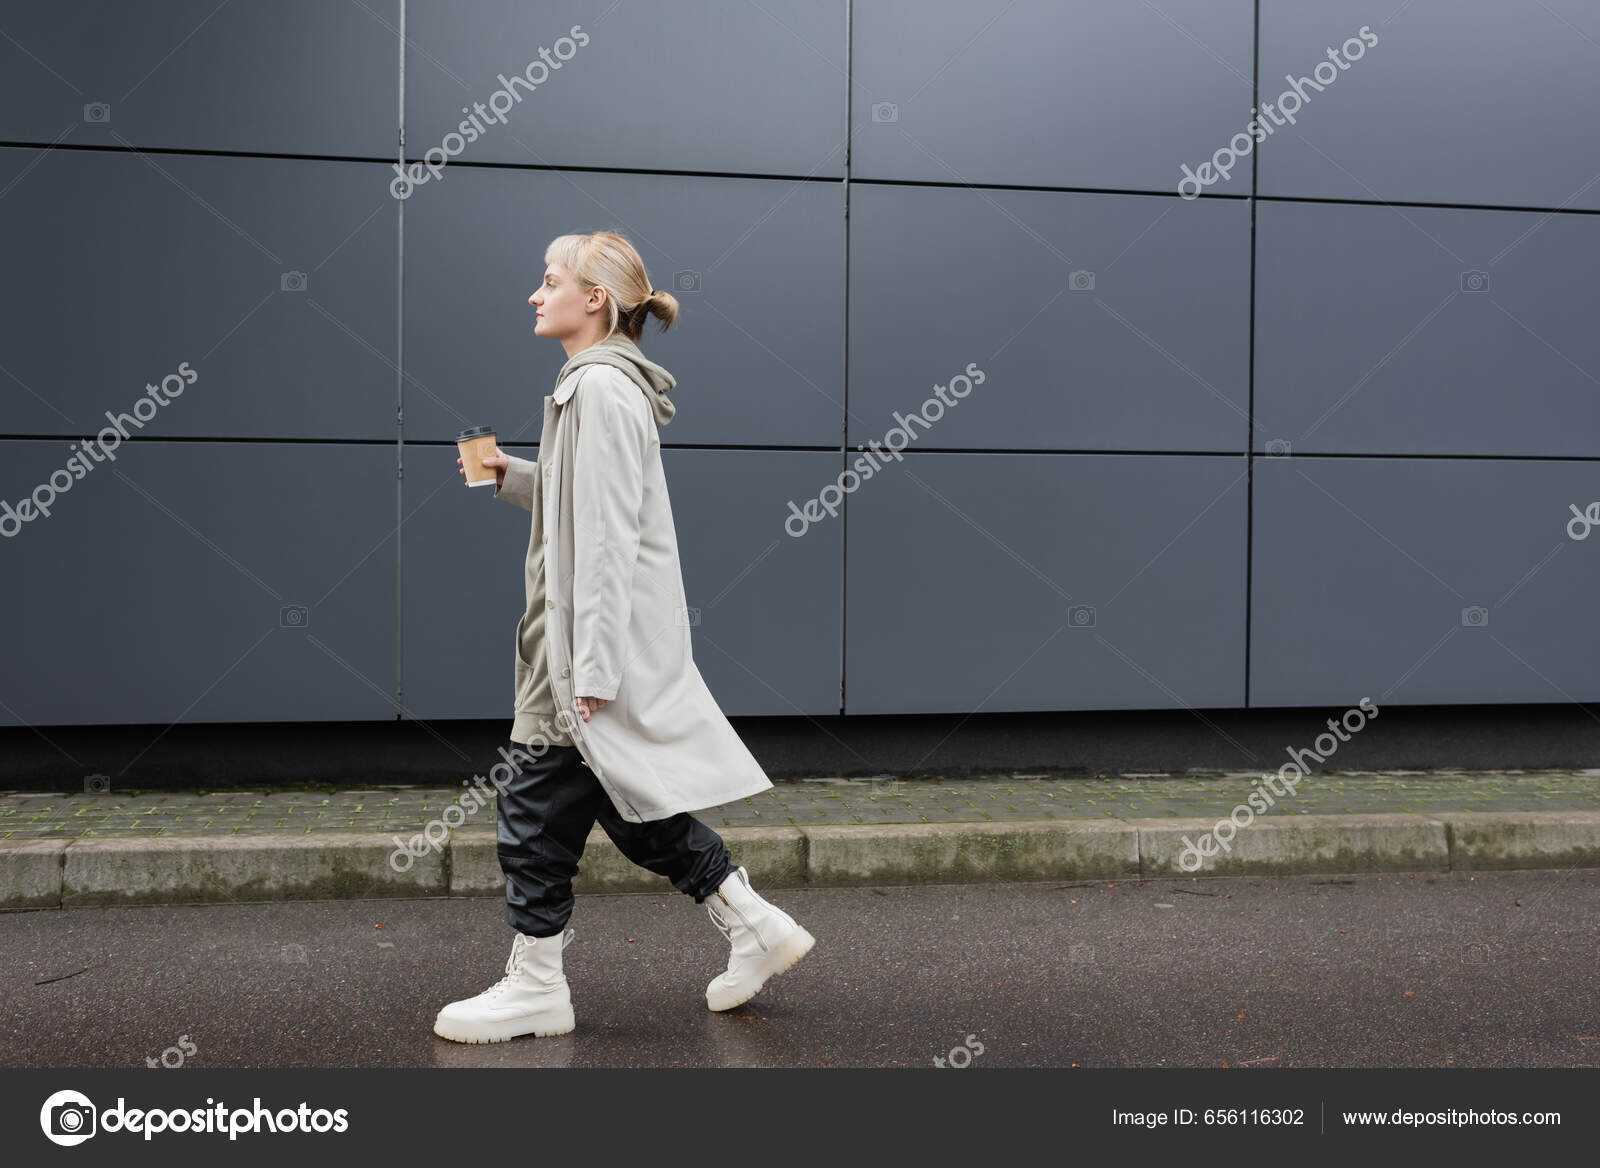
(475, 445)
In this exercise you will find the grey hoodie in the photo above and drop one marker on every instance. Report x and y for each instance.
(653, 380)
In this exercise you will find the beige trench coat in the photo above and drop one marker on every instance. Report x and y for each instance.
(616, 622)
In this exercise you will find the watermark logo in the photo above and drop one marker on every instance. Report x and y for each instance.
(68, 1118)
(1290, 102)
(90, 453)
(960, 1057)
(436, 834)
(185, 1049)
(866, 465)
(501, 102)
(1584, 520)
(1194, 855)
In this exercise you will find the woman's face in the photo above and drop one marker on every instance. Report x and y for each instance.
(561, 304)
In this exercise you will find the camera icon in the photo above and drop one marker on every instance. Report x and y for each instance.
(293, 616)
(1476, 954)
(292, 281)
(1081, 616)
(97, 784)
(1474, 617)
(688, 616)
(1277, 447)
(1081, 281)
(1474, 281)
(97, 111)
(686, 281)
(885, 111)
(71, 1119)
(68, 1118)
(293, 954)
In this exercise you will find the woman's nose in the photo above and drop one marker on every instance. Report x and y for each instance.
(530, 299)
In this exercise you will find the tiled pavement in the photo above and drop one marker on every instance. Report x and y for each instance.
(813, 801)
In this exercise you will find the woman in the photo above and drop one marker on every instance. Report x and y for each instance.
(606, 633)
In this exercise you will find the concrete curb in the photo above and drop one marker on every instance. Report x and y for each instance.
(153, 870)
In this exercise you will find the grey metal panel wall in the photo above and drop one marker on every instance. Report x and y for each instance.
(201, 582)
(1460, 101)
(127, 259)
(1102, 321)
(1042, 582)
(721, 85)
(756, 266)
(1426, 330)
(290, 76)
(275, 278)
(1046, 94)
(764, 606)
(1421, 580)
(461, 589)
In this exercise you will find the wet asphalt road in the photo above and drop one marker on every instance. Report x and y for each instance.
(1435, 970)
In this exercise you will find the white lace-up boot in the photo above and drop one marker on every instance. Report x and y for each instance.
(532, 998)
(765, 941)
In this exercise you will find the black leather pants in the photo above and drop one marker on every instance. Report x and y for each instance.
(543, 818)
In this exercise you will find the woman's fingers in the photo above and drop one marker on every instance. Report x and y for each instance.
(497, 460)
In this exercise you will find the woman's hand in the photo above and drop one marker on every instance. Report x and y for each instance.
(498, 460)
(587, 706)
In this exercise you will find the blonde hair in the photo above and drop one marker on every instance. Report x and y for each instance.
(604, 259)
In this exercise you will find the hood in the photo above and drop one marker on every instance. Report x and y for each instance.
(621, 353)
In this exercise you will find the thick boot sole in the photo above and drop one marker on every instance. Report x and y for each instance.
(559, 1022)
(783, 955)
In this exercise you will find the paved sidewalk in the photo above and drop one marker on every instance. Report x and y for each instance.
(808, 802)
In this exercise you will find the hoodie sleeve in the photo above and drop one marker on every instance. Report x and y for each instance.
(607, 497)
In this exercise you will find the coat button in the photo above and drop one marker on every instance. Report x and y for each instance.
(549, 604)
(566, 673)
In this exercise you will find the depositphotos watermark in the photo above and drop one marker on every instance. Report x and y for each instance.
(437, 833)
(501, 102)
(1257, 129)
(91, 453)
(185, 1048)
(960, 1056)
(865, 467)
(70, 1117)
(1585, 519)
(1257, 802)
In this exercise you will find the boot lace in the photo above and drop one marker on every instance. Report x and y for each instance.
(504, 983)
(722, 926)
